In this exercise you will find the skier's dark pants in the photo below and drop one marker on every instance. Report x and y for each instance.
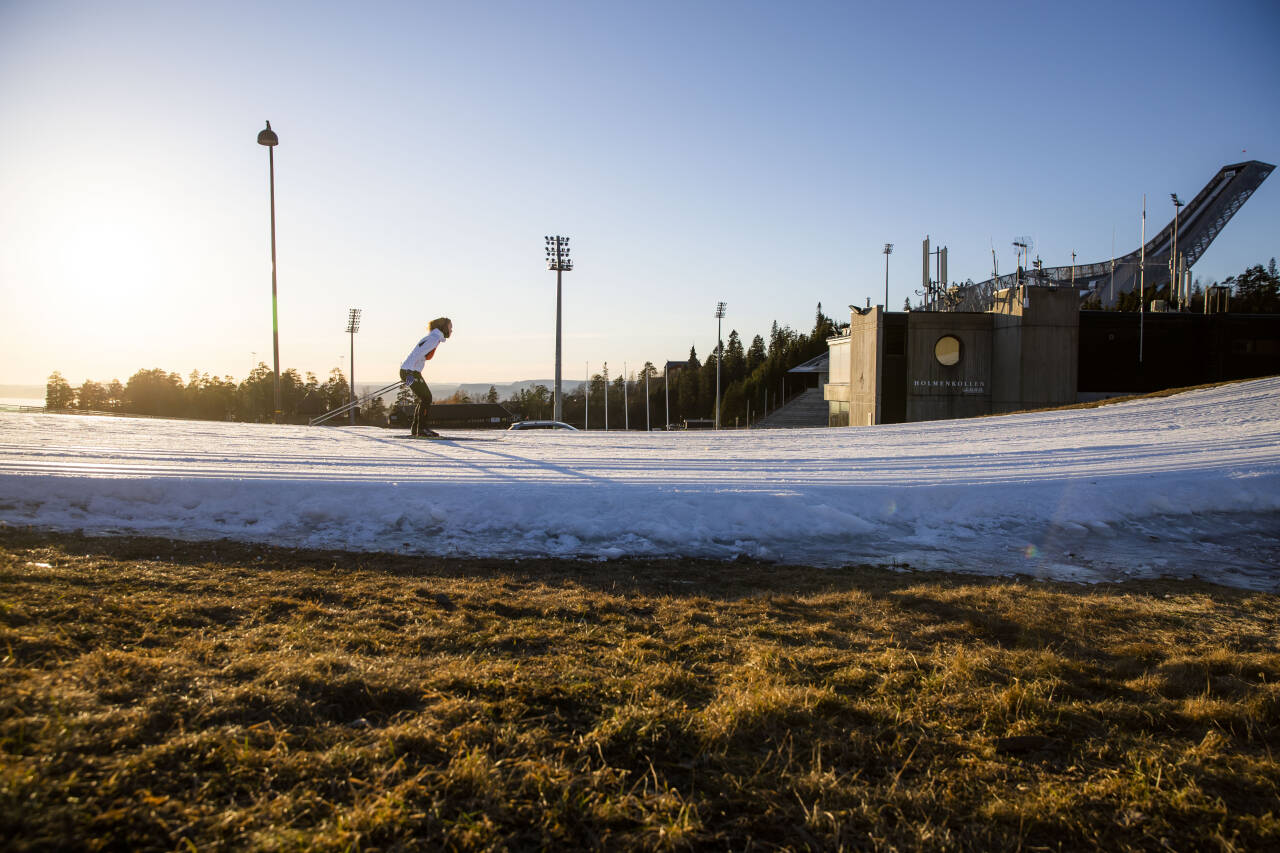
(418, 386)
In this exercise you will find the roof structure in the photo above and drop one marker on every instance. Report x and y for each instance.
(817, 364)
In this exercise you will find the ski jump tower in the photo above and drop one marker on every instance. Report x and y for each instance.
(1198, 223)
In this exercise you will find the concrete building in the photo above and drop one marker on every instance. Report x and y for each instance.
(920, 366)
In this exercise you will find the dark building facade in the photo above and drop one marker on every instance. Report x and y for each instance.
(1033, 349)
(1177, 350)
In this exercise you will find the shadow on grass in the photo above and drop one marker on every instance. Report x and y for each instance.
(634, 704)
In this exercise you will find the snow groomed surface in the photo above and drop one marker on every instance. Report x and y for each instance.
(1182, 486)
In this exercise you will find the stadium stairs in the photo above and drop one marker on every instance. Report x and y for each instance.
(807, 409)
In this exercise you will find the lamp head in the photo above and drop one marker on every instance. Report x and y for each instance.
(268, 137)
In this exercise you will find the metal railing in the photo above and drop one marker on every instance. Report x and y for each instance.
(342, 410)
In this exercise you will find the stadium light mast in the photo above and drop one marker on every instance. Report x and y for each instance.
(353, 326)
(268, 138)
(558, 260)
(1173, 259)
(888, 250)
(719, 356)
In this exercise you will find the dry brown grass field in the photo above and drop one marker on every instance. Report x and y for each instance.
(180, 696)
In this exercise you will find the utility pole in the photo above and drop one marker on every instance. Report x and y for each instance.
(647, 427)
(719, 357)
(1020, 248)
(666, 388)
(1113, 264)
(888, 250)
(926, 284)
(1142, 279)
(1173, 259)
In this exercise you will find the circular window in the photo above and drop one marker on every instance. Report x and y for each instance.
(947, 350)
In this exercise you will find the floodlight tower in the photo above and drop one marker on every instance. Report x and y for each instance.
(353, 326)
(719, 357)
(888, 250)
(558, 260)
(268, 138)
(1173, 259)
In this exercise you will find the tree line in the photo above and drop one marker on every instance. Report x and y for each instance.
(1254, 291)
(753, 381)
(203, 397)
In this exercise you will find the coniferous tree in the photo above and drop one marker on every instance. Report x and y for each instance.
(756, 354)
(91, 397)
(1256, 290)
(336, 392)
(313, 399)
(58, 393)
(776, 341)
(154, 392)
(823, 326)
(686, 383)
(374, 413)
(255, 397)
(735, 360)
(404, 397)
(707, 386)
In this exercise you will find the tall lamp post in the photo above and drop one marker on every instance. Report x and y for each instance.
(268, 138)
(719, 357)
(558, 260)
(1173, 259)
(666, 385)
(888, 250)
(353, 326)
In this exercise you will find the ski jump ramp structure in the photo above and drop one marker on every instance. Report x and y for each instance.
(1200, 221)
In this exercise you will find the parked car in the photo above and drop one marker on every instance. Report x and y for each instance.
(542, 425)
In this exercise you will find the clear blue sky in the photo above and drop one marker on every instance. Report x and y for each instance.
(756, 153)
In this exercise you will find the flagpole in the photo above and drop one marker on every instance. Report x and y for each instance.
(1142, 280)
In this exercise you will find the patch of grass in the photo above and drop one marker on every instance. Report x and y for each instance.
(162, 695)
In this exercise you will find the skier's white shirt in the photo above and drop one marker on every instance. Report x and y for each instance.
(423, 351)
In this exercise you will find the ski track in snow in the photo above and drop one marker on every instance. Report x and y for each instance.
(1182, 486)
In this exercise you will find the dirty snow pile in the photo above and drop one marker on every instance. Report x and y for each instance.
(1183, 486)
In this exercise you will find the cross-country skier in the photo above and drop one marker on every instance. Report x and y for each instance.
(438, 330)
